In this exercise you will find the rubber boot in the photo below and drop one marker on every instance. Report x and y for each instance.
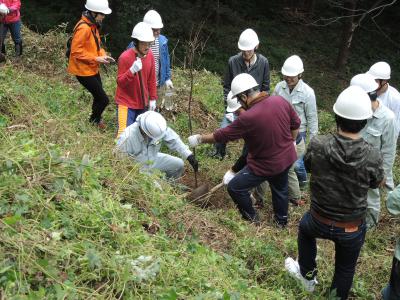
(18, 49)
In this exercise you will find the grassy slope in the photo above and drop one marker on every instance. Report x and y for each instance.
(74, 219)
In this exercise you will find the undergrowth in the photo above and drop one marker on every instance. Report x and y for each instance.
(77, 222)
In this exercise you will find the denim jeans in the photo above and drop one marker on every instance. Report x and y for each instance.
(392, 291)
(239, 189)
(299, 164)
(15, 29)
(347, 250)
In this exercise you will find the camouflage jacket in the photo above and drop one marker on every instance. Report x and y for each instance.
(342, 170)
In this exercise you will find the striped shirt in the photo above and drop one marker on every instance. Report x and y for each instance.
(155, 48)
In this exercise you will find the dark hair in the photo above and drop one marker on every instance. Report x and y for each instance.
(351, 126)
(135, 42)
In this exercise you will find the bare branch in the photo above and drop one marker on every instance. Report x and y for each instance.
(362, 13)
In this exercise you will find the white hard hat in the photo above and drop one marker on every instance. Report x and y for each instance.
(153, 124)
(248, 40)
(380, 70)
(233, 103)
(353, 104)
(143, 32)
(153, 19)
(242, 83)
(292, 66)
(99, 6)
(365, 81)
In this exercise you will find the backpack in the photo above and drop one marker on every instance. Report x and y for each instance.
(69, 41)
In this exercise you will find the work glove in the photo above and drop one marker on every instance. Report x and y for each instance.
(193, 162)
(194, 140)
(152, 105)
(169, 84)
(136, 66)
(228, 177)
(230, 117)
(4, 9)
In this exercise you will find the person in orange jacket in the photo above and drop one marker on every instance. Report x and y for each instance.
(87, 55)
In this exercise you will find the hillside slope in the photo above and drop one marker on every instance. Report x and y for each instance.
(76, 222)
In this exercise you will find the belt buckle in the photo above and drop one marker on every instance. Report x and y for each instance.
(351, 229)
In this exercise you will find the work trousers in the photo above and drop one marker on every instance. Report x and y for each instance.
(300, 169)
(392, 291)
(15, 30)
(172, 166)
(294, 188)
(126, 116)
(100, 99)
(239, 190)
(347, 249)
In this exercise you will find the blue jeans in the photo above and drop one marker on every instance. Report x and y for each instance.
(15, 29)
(239, 189)
(347, 249)
(392, 291)
(299, 164)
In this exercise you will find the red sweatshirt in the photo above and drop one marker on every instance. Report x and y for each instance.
(266, 129)
(128, 85)
(14, 7)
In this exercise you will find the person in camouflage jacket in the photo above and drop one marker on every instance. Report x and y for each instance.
(343, 167)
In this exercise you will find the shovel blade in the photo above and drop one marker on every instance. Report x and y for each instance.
(199, 191)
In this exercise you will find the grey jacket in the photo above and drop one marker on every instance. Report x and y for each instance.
(342, 170)
(259, 70)
(303, 100)
(380, 133)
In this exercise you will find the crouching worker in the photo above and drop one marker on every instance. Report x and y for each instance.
(142, 140)
(269, 127)
(343, 167)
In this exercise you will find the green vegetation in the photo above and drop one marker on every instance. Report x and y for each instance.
(77, 222)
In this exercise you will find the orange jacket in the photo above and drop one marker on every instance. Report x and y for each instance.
(82, 61)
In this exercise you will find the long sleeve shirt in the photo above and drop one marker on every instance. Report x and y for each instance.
(393, 206)
(144, 150)
(266, 129)
(303, 100)
(259, 70)
(85, 49)
(380, 133)
(391, 99)
(128, 91)
(14, 6)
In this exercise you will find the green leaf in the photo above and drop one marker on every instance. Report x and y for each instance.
(12, 220)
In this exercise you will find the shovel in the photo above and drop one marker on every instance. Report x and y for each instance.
(2, 56)
(201, 194)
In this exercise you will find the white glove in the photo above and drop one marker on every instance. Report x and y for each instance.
(169, 84)
(136, 66)
(230, 117)
(4, 9)
(228, 177)
(152, 105)
(194, 140)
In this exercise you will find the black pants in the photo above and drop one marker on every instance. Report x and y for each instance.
(100, 100)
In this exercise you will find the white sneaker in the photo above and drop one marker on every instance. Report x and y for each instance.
(292, 266)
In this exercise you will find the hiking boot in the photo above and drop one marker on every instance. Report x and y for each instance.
(292, 266)
(18, 49)
(101, 125)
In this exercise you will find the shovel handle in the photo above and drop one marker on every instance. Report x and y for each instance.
(215, 188)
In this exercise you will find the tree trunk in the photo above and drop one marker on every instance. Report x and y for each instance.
(348, 29)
